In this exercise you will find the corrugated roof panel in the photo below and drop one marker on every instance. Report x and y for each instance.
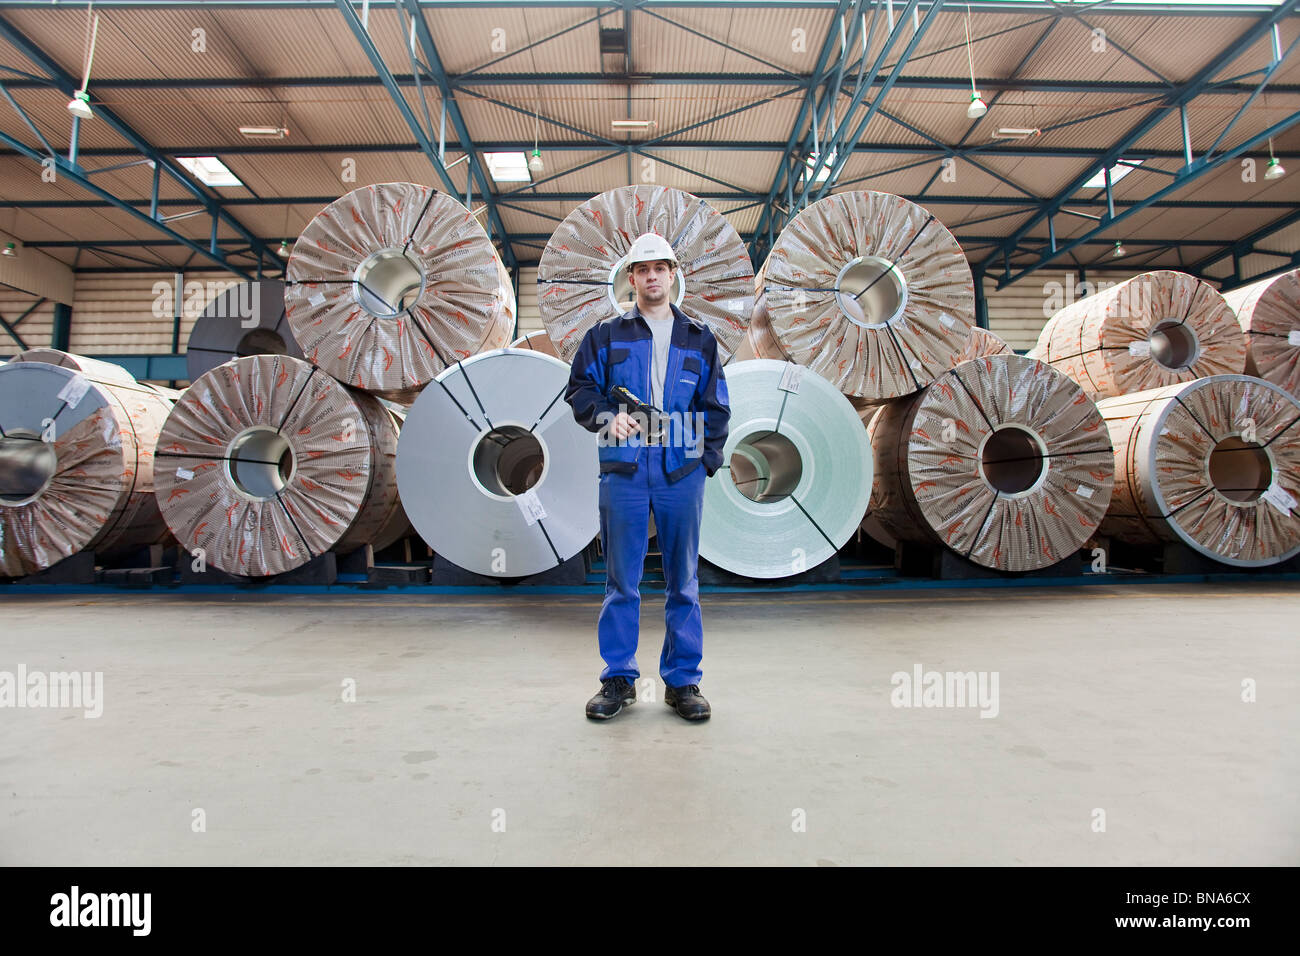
(1285, 240)
(1074, 51)
(1207, 117)
(283, 43)
(785, 38)
(471, 39)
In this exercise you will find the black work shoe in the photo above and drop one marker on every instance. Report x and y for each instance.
(688, 702)
(614, 693)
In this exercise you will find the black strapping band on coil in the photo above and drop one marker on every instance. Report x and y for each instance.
(460, 365)
(558, 560)
(549, 407)
(814, 523)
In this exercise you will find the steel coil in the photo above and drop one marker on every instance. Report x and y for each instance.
(77, 442)
(582, 278)
(392, 283)
(796, 476)
(1269, 313)
(497, 476)
(1002, 459)
(246, 319)
(870, 291)
(1213, 464)
(266, 462)
(1155, 329)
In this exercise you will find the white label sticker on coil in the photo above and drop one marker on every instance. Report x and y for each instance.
(1083, 491)
(317, 300)
(530, 506)
(184, 474)
(735, 305)
(74, 391)
(791, 378)
(1140, 349)
(1279, 498)
(1293, 337)
(947, 319)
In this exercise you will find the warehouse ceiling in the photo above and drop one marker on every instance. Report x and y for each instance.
(745, 104)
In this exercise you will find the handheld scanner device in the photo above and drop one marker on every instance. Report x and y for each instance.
(652, 414)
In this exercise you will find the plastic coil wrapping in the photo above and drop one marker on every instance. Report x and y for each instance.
(1213, 464)
(246, 319)
(870, 291)
(1002, 459)
(497, 476)
(391, 284)
(1269, 313)
(982, 342)
(582, 278)
(266, 462)
(1155, 329)
(539, 341)
(796, 473)
(77, 441)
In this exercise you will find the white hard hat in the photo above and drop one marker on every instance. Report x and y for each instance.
(650, 247)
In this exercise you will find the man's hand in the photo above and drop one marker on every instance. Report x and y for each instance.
(624, 425)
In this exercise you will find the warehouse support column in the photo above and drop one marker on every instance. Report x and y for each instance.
(61, 334)
(981, 303)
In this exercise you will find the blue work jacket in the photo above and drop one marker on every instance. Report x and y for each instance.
(618, 351)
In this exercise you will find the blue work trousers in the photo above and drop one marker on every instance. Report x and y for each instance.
(625, 505)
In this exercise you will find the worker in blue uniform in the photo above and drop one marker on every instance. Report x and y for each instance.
(650, 383)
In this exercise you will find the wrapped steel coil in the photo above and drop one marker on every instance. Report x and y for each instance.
(1269, 313)
(94, 369)
(582, 277)
(1002, 459)
(796, 474)
(77, 446)
(246, 319)
(539, 341)
(391, 284)
(1213, 463)
(1155, 329)
(267, 462)
(982, 342)
(870, 291)
(499, 479)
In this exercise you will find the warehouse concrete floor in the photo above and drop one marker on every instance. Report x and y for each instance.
(466, 742)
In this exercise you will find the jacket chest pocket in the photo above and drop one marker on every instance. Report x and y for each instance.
(622, 369)
(688, 380)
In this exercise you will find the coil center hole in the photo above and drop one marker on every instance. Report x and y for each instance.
(261, 342)
(1240, 470)
(766, 467)
(870, 291)
(508, 460)
(623, 296)
(260, 462)
(27, 466)
(1012, 461)
(387, 283)
(1174, 345)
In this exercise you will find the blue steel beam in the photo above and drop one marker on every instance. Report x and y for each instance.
(74, 174)
(918, 32)
(67, 84)
(1203, 167)
(988, 6)
(1246, 244)
(1022, 205)
(1007, 149)
(1182, 95)
(439, 74)
(806, 108)
(422, 136)
(463, 81)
